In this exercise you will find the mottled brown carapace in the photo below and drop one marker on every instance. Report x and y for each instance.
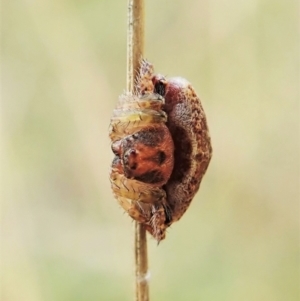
(162, 149)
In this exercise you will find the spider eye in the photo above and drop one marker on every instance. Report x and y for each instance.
(133, 166)
(161, 156)
(160, 88)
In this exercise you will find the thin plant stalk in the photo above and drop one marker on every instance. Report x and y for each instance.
(135, 51)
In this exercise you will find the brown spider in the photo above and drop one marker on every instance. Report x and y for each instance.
(162, 149)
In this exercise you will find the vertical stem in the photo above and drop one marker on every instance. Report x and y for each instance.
(141, 263)
(135, 40)
(135, 51)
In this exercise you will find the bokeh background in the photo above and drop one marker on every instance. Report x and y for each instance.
(63, 236)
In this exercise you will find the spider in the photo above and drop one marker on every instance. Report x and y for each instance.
(162, 149)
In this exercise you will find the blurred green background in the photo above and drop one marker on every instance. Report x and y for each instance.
(63, 236)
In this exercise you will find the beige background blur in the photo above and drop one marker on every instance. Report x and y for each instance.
(63, 236)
